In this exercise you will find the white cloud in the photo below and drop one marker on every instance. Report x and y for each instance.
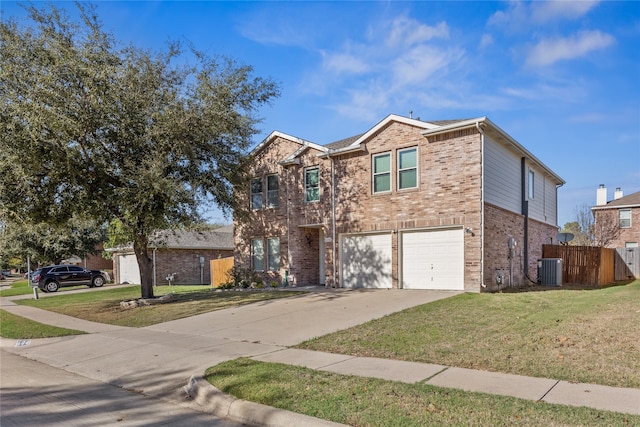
(545, 11)
(407, 32)
(342, 62)
(419, 64)
(521, 16)
(364, 105)
(550, 51)
(395, 60)
(486, 40)
(590, 118)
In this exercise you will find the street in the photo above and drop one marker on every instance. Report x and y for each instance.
(32, 393)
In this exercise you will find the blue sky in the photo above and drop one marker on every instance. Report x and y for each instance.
(562, 78)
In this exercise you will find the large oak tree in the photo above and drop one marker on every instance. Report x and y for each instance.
(119, 132)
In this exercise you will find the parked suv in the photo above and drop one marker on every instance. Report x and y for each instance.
(49, 279)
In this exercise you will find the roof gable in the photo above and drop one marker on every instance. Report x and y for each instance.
(384, 122)
(304, 145)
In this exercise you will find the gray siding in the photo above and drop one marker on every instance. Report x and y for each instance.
(543, 205)
(501, 177)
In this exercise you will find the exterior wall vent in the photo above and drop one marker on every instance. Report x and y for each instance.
(550, 271)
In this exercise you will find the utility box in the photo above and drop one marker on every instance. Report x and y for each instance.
(550, 271)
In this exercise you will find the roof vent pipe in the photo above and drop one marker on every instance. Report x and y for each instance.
(618, 194)
(601, 196)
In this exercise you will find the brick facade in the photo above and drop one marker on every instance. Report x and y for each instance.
(609, 215)
(184, 263)
(448, 194)
(504, 267)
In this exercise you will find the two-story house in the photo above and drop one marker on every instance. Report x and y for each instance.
(620, 216)
(410, 204)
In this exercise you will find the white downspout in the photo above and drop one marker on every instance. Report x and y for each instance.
(481, 205)
(154, 267)
(333, 220)
(286, 176)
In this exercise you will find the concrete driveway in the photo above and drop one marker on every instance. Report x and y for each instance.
(158, 360)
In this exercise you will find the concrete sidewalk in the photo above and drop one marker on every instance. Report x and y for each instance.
(159, 360)
(625, 400)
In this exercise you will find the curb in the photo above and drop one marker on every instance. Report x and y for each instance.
(222, 405)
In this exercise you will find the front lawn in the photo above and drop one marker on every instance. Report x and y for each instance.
(17, 327)
(104, 306)
(21, 287)
(360, 401)
(586, 336)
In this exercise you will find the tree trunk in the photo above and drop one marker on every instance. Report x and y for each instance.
(140, 247)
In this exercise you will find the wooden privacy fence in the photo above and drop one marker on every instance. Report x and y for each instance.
(219, 269)
(583, 265)
(627, 263)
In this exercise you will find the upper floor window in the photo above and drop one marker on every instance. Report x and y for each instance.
(273, 254)
(532, 181)
(382, 173)
(272, 191)
(408, 168)
(256, 193)
(312, 184)
(625, 218)
(257, 254)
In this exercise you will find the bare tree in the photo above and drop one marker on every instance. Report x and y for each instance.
(605, 227)
(591, 230)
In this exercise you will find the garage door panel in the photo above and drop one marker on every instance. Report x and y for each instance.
(433, 259)
(366, 261)
(128, 269)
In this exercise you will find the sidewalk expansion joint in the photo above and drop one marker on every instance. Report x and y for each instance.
(434, 375)
(319, 368)
(548, 391)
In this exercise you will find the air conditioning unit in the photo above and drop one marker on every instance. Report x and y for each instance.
(550, 271)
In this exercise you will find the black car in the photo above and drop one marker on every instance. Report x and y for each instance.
(49, 279)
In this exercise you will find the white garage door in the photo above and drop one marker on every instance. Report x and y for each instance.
(433, 259)
(366, 261)
(128, 269)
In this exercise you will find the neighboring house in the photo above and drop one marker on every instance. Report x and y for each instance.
(410, 204)
(92, 261)
(623, 212)
(185, 254)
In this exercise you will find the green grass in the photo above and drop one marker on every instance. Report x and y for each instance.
(360, 401)
(17, 327)
(584, 336)
(104, 306)
(21, 287)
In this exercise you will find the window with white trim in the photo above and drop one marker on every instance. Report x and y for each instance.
(407, 168)
(381, 173)
(631, 244)
(625, 218)
(256, 193)
(312, 184)
(257, 255)
(272, 191)
(273, 254)
(532, 181)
